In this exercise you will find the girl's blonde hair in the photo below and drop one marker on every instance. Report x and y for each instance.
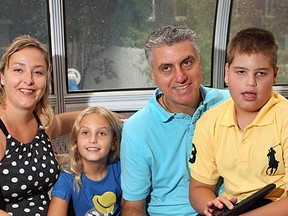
(73, 163)
(19, 43)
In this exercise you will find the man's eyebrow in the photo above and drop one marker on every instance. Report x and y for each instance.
(164, 65)
(190, 57)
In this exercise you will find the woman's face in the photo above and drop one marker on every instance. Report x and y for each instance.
(25, 78)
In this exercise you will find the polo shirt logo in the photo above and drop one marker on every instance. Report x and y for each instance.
(193, 154)
(272, 162)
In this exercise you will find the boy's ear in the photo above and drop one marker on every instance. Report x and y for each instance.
(276, 70)
(226, 73)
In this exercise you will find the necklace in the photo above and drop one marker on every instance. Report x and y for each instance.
(165, 106)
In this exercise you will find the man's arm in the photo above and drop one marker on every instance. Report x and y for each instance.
(135, 208)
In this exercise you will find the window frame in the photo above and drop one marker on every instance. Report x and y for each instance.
(125, 100)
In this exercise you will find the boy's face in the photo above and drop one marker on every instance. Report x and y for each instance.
(250, 79)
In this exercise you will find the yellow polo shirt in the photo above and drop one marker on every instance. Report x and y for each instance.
(247, 160)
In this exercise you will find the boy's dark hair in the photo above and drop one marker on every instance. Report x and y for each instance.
(253, 40)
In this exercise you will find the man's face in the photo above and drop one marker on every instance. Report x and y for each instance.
(176, 70)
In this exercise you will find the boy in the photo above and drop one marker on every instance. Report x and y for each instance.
(245, 139)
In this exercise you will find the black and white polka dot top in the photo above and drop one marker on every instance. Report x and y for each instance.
(27, 173)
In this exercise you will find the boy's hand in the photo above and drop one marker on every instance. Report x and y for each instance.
(214, 207)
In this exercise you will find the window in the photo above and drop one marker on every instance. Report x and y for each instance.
(254, 13)
(105, 39)
(19, 17)
(269, 8)
(181, 10)
(152, 13)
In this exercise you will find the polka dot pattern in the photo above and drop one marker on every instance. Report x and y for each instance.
(28, 171)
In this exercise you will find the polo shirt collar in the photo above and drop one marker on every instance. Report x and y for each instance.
(263, 117)
(166, 116)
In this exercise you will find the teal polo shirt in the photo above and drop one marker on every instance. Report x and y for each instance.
(155, 151)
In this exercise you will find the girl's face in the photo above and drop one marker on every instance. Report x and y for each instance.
(95, 139)
(25, 78)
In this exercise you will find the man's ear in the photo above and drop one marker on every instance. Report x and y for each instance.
(152, 75)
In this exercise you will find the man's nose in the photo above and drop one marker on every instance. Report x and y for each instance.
(180, 74)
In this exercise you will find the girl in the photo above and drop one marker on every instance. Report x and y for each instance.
(90, 175)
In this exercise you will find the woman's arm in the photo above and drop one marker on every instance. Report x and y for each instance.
(62, 124)
(58, 207)
(2, 213)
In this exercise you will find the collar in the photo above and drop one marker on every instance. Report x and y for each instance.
(166, 116)
(264, 117)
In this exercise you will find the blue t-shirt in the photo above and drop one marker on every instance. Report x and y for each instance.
(155, 150)
(107, 193)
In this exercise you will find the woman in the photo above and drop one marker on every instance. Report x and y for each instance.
(28, 168)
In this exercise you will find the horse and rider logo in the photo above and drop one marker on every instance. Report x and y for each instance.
(272, 162)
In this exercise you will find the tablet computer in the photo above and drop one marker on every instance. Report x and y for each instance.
(245, 204)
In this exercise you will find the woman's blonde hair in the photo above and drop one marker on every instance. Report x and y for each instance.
(19, 43)
(73, 162)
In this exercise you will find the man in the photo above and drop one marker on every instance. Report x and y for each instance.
(156, 143)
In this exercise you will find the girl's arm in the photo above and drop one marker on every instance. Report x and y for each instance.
(58, 207)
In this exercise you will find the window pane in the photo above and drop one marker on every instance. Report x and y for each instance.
(105, 39)
(19, 17)
(268, 14)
